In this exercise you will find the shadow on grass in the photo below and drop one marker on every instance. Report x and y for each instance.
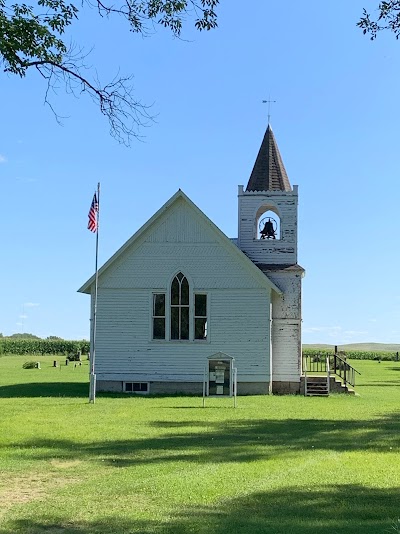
(348, 509)
(71, 389)
(387, 383)
(232, 441)
(45, 389)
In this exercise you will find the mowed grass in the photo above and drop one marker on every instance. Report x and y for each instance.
(163, 465)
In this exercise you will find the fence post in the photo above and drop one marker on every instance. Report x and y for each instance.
(305, 379)
(328, 373)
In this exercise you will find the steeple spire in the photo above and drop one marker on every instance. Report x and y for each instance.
(269, 173)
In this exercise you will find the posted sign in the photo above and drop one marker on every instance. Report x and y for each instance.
(219, 376)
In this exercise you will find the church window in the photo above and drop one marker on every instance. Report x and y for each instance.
(159, 316)
(200, 316)
(180, 307)
(179, 315)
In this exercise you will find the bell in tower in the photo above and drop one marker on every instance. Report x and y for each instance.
(268, 228)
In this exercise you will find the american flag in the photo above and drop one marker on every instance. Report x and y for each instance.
(94, 208)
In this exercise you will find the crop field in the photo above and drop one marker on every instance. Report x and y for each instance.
(165, 465)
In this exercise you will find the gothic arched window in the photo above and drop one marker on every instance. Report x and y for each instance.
(179, 301)
(178, 314)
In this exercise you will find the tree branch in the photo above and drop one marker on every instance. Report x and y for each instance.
(126, 116)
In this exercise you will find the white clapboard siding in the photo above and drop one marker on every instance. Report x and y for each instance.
(180, 240)
(238, 326)
(152, 265)
(287, 305)
(286, 329)
(286, 346)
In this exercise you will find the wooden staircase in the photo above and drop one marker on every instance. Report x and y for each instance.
(317, 386)
(320, 374)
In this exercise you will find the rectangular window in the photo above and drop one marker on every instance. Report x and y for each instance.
(175, 322)
(136, 387)
(179, 322)
(159, 316)
(200, 316)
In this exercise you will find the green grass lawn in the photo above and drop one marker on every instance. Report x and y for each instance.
(166, 465)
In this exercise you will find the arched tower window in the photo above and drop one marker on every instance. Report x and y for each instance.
(179, 300)
(268, 224)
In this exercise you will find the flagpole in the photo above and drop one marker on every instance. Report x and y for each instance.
(92, 386)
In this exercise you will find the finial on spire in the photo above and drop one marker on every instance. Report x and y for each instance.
(269, 102)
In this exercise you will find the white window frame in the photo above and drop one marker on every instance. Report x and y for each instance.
(206, 317)
(165, 316)
(179, 307)
(136, 392)
(192, 293)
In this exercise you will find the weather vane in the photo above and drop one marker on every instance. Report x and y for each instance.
(269, 102)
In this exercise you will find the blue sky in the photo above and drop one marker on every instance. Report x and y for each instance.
(336, 122)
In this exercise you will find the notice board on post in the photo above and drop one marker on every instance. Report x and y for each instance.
(219, 377)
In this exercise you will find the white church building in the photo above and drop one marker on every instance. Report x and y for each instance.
(179, 290)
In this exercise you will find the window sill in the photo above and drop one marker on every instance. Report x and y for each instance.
(179, 341)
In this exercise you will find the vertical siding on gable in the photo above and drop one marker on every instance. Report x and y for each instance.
(179, 226)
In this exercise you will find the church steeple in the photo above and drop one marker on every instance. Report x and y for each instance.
(269, 173)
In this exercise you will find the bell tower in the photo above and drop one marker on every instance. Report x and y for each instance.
(267, 234)
(268, 209)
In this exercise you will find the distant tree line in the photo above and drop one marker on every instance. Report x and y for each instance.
(26, 335)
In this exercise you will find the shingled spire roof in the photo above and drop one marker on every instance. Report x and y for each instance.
(269, 172)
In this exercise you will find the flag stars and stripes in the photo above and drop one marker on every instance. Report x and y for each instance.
(94, 209)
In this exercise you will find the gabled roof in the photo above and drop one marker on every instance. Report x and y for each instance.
(269, 173)
(264, 280)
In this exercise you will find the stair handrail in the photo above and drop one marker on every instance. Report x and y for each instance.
(347, 369)
(340, 367)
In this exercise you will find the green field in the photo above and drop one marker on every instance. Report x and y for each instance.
(166, 465)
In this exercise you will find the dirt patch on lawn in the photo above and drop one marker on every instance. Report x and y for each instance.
(65, 464)
(26, 487)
